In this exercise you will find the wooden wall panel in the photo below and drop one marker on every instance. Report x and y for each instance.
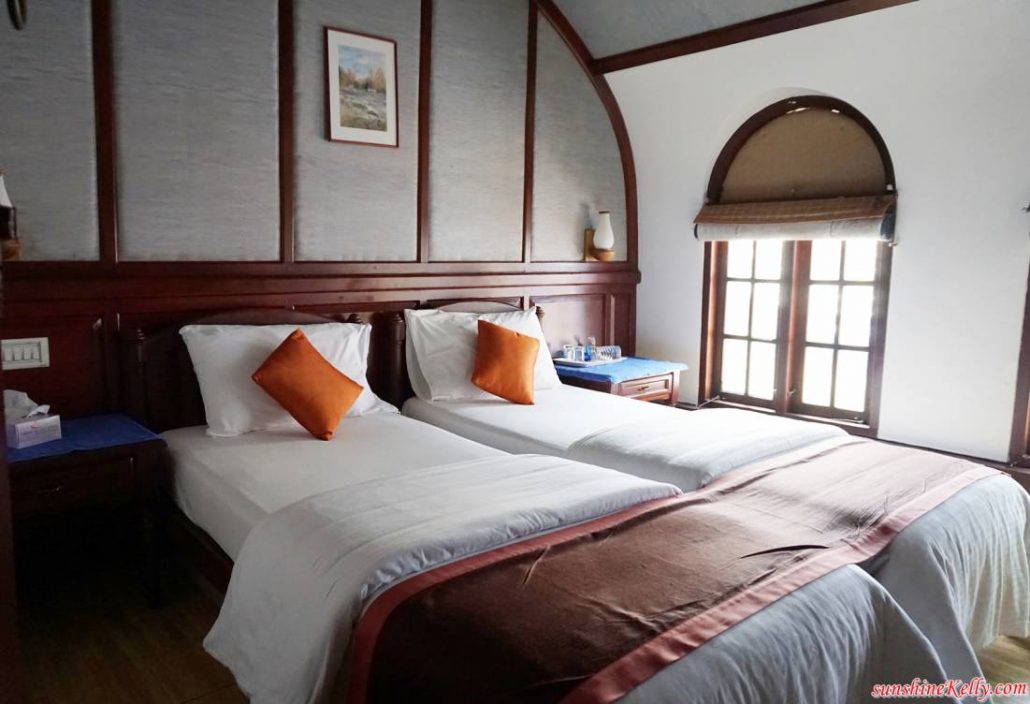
(570, 320)
(477, 128)
(203, 185)
(47, 150)
(355, 202)
(76, 381)
(571, 128)
(196, 105)
(607, 316)
(84, 317)
(83, 306)
(623, 317)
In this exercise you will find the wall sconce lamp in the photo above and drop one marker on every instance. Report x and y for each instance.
(10, 247)
(599, 242)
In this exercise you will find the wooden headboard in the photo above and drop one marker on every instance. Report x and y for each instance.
(473, 306)
(159, 387)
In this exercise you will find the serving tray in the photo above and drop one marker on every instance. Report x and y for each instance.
(592, 363)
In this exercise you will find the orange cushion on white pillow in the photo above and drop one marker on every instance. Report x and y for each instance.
(505, 362)
(302, 381)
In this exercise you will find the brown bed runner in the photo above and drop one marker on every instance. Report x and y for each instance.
(586, 613)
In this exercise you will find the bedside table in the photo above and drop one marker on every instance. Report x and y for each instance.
(99, 461)
(633, 377)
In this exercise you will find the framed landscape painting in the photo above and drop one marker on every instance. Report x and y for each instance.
(361, 77)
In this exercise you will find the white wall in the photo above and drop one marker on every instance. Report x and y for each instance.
(947, 83)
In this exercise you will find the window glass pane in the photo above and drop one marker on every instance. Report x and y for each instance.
(762, 378)
(852, 371)
(768, 259)
(825, 260)
(738, 300)
(734, 366)
(817, 376)
(860, 260)
(822, 313)
(738, 261)
(856, 310)
(764, 317)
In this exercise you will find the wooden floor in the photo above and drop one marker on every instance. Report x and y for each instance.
(1007, 660)
(96, 640)
(88, 634)
(90, 637)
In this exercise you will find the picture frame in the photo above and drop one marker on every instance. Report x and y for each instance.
(361, 88)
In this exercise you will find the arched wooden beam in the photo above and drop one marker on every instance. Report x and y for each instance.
(579, 49)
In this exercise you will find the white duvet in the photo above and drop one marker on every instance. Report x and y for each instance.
(691, 449)
(306, 572)
(961, 571)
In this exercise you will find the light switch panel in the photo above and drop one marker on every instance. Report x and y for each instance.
(26, 353)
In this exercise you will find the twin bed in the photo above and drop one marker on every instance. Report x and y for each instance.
(319, 530)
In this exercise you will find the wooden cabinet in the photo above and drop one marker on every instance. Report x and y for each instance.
(46, 487)
(125, 474)
(658, 387)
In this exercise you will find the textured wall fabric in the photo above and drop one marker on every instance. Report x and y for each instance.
(577, 165)
(355, 202)
(477, 127)
(611, 26)
(197, 129)
(197, 123)
(47, 132)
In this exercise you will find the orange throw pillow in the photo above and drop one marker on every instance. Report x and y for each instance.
(313, 391)
(505, 361)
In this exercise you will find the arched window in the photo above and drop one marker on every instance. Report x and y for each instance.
(798, 228)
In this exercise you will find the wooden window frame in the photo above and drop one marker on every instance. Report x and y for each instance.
(1020, 448)
(791, 339)
(720, 251)
(790, 342)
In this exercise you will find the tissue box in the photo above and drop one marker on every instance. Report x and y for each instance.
(33, 431)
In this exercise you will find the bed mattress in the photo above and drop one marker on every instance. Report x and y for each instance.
(227, 485)
(557, 419)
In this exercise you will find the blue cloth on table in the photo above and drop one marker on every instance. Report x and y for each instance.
(92, 433)
(617, 372)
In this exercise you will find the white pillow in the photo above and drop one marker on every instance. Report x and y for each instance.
(441, 351)
(225, 356)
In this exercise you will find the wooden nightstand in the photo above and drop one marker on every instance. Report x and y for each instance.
(100, 461)
(633, 377)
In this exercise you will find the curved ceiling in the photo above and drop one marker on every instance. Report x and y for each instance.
(613, 26)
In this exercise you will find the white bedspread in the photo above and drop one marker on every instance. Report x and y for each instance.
(691, 449)
(827, 643)
(305, 573)
(558, 418)
(227, 485)
(962, 571)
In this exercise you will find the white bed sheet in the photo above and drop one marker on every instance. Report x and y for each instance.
(227, 485)
(557, 419)
(306, 572)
